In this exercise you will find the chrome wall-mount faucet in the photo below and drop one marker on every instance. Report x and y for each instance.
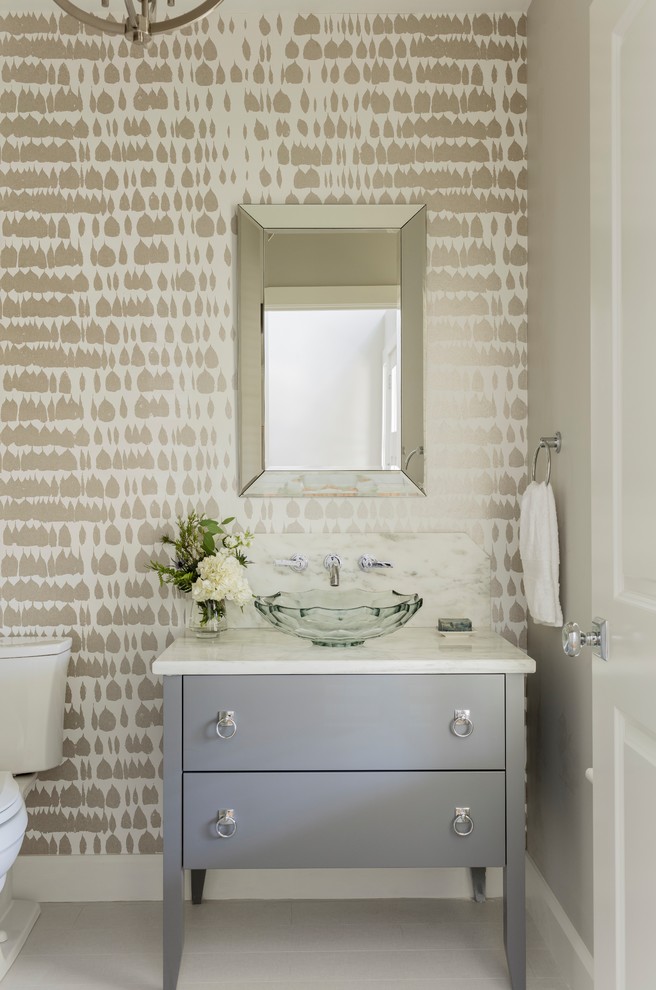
(298, 562)
(333, 563)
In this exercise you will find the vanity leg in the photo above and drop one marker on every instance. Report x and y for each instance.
(514, 893)
(478, 875)
(173, 915)
(197, 884)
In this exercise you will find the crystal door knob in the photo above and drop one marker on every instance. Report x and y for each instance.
(574, 640)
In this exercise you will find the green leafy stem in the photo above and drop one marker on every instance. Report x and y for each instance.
(197, 539)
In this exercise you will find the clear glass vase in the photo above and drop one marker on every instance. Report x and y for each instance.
(206, 619)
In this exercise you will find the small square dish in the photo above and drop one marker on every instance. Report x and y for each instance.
(455, 629)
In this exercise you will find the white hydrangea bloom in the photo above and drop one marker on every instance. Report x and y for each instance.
(221, 576)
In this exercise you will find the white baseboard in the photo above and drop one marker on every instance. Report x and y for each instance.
(566, 945)
(139, 878)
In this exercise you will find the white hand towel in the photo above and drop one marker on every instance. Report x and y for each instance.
(538, 548)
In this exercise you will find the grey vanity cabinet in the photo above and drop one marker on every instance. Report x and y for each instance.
(344, 770)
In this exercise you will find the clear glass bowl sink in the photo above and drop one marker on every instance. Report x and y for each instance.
(334, 617)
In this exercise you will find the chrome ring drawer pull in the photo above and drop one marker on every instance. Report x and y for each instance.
(463, 824)
(225, 824)
(462, 725)
(226, 720)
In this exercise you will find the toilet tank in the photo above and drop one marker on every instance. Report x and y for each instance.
(32, 691)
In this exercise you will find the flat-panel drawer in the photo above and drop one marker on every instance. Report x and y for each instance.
(379, 819)
(343, 722)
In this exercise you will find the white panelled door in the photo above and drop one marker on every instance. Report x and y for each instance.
(623, 184)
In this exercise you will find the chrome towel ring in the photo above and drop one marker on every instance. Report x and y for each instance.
(548, 444)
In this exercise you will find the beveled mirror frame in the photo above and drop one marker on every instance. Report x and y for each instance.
(254, 222)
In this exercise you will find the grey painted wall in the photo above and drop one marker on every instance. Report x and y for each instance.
(559, 712)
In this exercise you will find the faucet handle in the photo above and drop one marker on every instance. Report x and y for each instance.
(297, 562)
(366, 562)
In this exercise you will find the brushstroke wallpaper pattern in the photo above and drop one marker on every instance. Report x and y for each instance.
(120, 174)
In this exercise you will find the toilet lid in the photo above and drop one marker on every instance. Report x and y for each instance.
(33, 646)
(10, 796)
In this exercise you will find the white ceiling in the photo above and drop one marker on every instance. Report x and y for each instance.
(315, 6)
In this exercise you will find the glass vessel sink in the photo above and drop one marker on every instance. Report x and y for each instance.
(337, 618)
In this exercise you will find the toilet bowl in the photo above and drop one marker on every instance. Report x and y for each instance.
(13, 822)
(32, 692)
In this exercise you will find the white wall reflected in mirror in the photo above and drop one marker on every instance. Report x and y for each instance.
(332, 396)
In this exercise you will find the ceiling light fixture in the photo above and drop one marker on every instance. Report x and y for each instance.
(139, 23)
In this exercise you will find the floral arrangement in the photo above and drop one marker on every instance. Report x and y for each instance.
(208, 564)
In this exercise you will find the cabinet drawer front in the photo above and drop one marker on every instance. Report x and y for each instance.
(343, 722)
(380, 819)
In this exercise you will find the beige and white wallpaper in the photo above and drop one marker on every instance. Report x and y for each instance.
(119, 178)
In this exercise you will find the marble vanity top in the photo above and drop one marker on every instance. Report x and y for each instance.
(408, 651)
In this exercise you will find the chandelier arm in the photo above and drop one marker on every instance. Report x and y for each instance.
(132, 14)
(172, 23)
(99, 23)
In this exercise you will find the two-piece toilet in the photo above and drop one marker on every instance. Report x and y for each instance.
(32, 692)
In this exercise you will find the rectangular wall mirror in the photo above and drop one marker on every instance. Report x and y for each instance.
(331, 331)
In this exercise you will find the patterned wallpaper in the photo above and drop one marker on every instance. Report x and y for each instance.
(119, 179)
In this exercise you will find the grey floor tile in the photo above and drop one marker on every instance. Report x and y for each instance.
(400, 910)
(238, 912)
(541, 964)
(399, 966)
(235, 967)
(106, 915)
(200, 941)
(59, 914)
(115, 971)
(308, 968)
(342, 938)
(58, 943)
(256, 945)
(293, 938)
(26, 971)
(452, 935)
(374, 926)
(551, 983)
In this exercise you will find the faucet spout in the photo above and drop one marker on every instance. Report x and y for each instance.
(332, 563)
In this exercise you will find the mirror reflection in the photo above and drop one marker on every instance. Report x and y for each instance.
(331, 389)
(331, 349)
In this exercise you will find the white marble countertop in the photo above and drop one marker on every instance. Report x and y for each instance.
(408, 651)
